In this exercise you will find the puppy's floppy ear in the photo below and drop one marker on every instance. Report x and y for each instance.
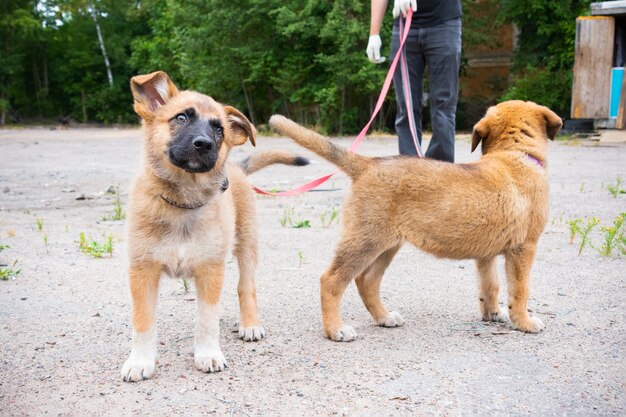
(553, 122)
(481, 131)
(240, 127)
(151, 91)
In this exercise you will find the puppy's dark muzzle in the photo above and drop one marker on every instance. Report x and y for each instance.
(203, 144)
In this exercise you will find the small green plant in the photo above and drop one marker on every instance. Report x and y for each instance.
(334, 214)
(118, 211)
(615, 189)
(286, 217)
(584, 232)
(39, 224)
(300, 259)
(8, 273)
(3, 247)
(582, 188)
(301, 224)
(45, 241)
(614, 236)
(185, 285)
(573, 229)
(94, 248)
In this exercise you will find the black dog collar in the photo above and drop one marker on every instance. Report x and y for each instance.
(181, 205)
(223, 188)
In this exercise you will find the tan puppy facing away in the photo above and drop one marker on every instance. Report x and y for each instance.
(188, 210)
(497, 205)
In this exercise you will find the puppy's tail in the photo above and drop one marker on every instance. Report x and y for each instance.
(260, 160)
(349, 162)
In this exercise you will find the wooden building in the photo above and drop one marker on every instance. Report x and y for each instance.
(599, 90)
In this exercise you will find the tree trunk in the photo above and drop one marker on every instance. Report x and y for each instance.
(83, 99)
(45, 74)
(94, 16)
(37, 83)
(3, 110)
(341, 110)
(248, 103)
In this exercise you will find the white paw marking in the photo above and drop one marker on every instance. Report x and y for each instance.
(500, 316)
(393, 319)
(344, 334)
(141, 362)
(138, 368)
(533, 325)
(252, 333)
(209, 360)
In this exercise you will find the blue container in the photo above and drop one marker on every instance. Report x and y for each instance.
(617, 74)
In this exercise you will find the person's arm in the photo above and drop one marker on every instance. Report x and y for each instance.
(377, 14)
(374, 44)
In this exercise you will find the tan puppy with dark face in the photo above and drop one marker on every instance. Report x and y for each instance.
(188, 210)
(495, 206)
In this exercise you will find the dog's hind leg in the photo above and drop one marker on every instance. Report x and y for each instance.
(144, 288)
(208, 356)
(368, 283)
(488, 287)
(351, 258)
(518, 265)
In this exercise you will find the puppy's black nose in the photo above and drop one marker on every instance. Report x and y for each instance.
(202, 144)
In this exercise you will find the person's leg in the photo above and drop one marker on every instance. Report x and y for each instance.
(415, 63)
(442, 49)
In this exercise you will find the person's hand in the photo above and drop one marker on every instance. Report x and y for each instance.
(403, 6)
(373, 49)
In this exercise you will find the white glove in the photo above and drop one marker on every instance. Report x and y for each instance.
(403, 6)
(373, 49)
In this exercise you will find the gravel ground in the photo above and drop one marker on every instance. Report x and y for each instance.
(65, 319)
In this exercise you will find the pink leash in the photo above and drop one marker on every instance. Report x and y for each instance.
(379, 104)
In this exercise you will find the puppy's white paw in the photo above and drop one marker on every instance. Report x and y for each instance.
(531, 325)
(252, 333)
(209, 360)
(344, 334)
(138, 367)
(500, 316)
(393, 319)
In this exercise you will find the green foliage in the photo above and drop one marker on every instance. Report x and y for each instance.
(39, 224)
(300, 258)
(544, 59)
(614, 236)
(574, 226)
(328, 218)
(302, 224)
(615, 189)
(551, 88)
(8, 273)
(95, 248)
(118, 210)
(286, 216)
(577, 228)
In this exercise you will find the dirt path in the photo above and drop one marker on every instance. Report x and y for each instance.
(65, 319)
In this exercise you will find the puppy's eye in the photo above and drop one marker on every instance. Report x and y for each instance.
(181, 117)
(219, 130)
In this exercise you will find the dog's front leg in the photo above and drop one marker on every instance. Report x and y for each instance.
(250, 328)
(208, 356)
(518, 264)
(144, 289)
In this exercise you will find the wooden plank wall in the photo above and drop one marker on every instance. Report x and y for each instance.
(592, 68)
